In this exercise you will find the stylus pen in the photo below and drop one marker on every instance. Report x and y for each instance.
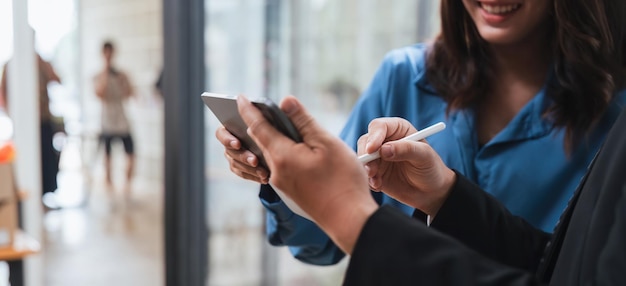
(417, 136)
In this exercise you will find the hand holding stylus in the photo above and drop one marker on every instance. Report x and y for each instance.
(417, 136)
(409, 170)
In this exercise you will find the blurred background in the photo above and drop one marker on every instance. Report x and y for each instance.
(189, 221)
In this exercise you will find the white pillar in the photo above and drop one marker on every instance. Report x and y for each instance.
(24, 110)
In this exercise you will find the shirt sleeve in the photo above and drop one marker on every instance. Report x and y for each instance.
(403, 251)
(306, 241)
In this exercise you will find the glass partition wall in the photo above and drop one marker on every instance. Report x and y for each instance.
(234, 55)
(325, 53)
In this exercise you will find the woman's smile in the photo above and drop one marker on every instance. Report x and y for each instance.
(494, 13)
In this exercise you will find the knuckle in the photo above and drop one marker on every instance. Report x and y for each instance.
(254, 125)
(219, 132)
(242, 157)
(374, 123)
(362, 139)
(304, 122)
(236, 171)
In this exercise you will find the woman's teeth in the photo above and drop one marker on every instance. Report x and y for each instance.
(500, 9)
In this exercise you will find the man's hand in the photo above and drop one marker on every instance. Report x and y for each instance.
(321, 174)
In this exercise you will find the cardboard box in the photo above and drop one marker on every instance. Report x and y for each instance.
(8, 222)
(8, 205)
(7, 182)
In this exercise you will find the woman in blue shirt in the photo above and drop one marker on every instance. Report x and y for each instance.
(528, 92)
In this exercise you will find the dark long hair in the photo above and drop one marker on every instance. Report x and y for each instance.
(589, 47)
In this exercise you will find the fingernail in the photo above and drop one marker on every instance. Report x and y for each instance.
(367, 169)
(266, 180)
(233, 143)
(289, 107)
(250, 160)
(241, 99)
(386, 151)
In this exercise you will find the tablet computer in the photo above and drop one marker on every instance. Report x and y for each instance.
(225, 109)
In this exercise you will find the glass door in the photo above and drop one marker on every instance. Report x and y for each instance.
(325, 53)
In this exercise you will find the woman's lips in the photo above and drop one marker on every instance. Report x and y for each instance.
(497, 13)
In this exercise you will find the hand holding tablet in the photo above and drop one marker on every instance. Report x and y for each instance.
(225, 109)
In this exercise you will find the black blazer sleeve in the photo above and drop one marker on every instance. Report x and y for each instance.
(612, 259)
(479, 221)
(472, 229)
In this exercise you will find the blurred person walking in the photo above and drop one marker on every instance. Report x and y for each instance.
(113, 87)
(49, 155)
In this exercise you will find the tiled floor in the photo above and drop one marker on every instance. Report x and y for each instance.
(98, 238)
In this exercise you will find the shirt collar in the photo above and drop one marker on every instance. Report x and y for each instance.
(527, 124)
(420, 79)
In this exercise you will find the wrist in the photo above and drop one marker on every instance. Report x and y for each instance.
(442, 192)
(344, 223)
